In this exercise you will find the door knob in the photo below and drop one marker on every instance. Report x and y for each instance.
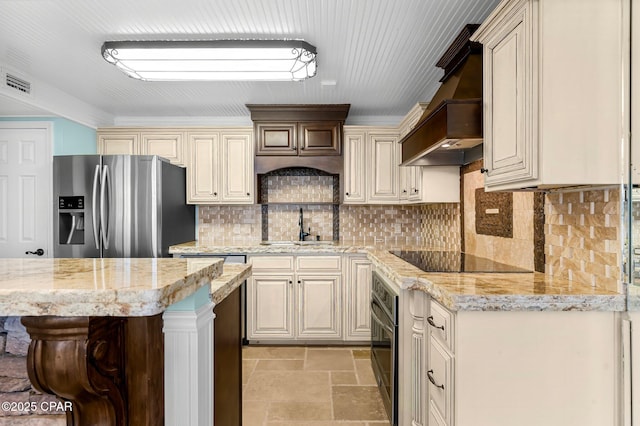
(38, 252)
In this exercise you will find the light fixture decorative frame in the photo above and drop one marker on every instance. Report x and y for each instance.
(213, 60)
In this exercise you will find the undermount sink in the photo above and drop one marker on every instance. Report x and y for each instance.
(296, 243)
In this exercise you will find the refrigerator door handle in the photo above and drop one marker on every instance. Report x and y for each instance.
(94, 209)
(105, 192)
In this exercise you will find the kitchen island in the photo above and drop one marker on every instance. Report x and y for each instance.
(97, 328)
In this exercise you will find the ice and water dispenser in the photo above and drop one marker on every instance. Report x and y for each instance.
(71, 220)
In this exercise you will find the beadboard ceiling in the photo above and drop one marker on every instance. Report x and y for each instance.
(380, 53)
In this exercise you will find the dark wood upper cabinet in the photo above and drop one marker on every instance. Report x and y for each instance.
(320, 138)
(276, 138)
(298, 130)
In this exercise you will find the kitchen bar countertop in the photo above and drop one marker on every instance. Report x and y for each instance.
(100, 287)
(457, 291)
(232, 276)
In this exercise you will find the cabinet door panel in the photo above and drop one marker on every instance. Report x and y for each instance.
(319, 304)
(276, 139)
(321, 138)
(440, 369)
(355, 168)
(118, 143)
(269, 307)
(166, 145)
(357, 303)
(202, 176)
(509, 153)
(237, 168)
(384, 168)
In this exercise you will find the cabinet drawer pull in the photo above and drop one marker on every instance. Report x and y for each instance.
(432, 380)
(483, 170)
(433, 324)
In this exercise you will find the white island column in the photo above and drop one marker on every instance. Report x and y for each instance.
(188, 362)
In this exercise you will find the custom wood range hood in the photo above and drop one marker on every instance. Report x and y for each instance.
(450, 130)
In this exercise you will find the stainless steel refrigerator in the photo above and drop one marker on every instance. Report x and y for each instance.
(119, 206)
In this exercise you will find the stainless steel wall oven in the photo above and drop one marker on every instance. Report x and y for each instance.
(384, 344)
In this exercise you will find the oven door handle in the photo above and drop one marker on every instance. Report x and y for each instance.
(378, 320)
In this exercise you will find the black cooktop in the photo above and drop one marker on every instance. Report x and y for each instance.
(453, 261)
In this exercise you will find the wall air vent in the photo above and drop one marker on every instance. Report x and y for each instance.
(19, 84)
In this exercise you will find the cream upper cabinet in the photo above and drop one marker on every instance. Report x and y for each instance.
(118, 142)
(384, 181)
(237, 167)
(554, 104)
(220, 169)
(203, 175)
(166, 143)
(355, 167)
(372, 173)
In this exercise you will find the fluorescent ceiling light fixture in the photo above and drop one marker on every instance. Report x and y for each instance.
(205, 60)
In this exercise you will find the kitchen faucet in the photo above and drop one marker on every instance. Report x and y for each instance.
(302, 235)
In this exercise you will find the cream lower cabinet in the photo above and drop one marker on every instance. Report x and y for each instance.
(220, 167)
(166, 143)
(294, 298)
(541, 128)
(357, 298)
(472, 368)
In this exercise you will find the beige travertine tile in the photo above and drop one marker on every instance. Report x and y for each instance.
(343, 378)
(357, 403)
(319, 359)
(299, 411)
(280, 364)
(364, 372)
(248, 366)
(361, 353)
(273, 352)
(254, 413)
(288, 386)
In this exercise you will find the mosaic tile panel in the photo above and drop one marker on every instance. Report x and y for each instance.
(518, 250)
(284, 220)
(582, 231)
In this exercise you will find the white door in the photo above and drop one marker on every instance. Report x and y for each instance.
(25, 189)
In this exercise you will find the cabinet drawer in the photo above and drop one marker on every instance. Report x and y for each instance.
(440, 323)
(439, 379)
(318, 263)
(272, 263)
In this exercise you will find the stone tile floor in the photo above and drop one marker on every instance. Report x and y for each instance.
(310, 386)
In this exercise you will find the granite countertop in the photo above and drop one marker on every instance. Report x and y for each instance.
(531, 291)
(456, 291)
(232, 276)
(100, 287)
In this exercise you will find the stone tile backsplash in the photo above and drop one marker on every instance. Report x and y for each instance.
(300, 189)
(433, 225)
(582, 232)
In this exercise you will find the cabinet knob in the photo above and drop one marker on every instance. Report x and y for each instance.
(215, 194)
(347, 194)
(293, 148)
(302, 147)
(415, 190)
(404, 191)
(483, 170)
(248, 194)
(299, 282)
